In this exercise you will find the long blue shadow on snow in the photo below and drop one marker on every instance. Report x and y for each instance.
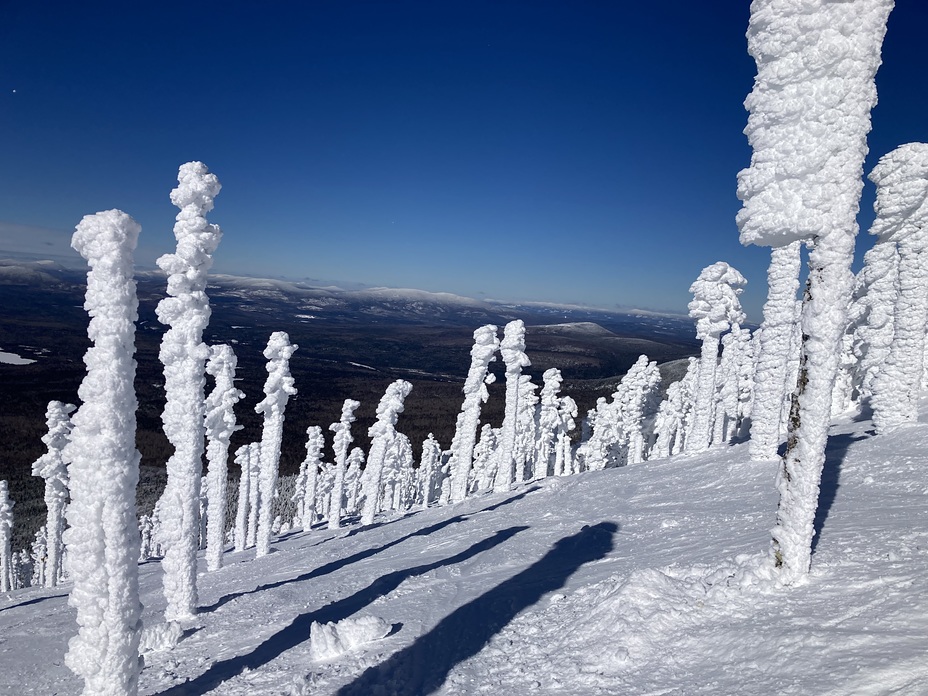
(423, 667)
(298, 630)
(835, 454)
(360, 556)
(36, 600)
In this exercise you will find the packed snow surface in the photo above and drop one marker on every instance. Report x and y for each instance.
(639, 580)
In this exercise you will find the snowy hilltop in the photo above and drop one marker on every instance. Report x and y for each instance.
(625, 581)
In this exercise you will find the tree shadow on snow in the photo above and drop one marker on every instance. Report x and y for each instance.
(423, 667)
(36, 600)
(298, 630)
(835, 453)
(360, 556)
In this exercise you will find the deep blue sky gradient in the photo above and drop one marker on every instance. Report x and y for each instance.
(563, 151)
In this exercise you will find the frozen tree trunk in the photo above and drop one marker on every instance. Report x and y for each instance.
(220, 424)
(343, 441)
(277, 391)
(382, 434)
(475, 393)
(314, 444)
(6, 538)
(184, 354)
(52, 467)
(512, 349)
(902, 216)
(770, 375)
(808, 123)
(799, 477)
(102, 540)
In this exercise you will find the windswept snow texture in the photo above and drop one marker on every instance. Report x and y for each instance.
(637, 580)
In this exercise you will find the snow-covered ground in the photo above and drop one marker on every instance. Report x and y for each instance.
(640, 580)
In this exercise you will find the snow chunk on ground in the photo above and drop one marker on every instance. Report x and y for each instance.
(329, 640)
(160, 637)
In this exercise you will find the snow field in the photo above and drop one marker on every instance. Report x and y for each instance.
(535, 591)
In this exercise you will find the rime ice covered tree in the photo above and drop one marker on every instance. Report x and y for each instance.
(186, 312)
(244, 456)
(220, 424)
(429, 467)
(52, 467)
(6, 538)
(342, 442)
(901, 207)
(549, 419)
(526, 430)
(309, 470)
(278, 388)
(102, 539)
(382, 434)
(715, 307)
(512, 349)
(563, 454)
(872, 313)
(809, 115)
(475, 393)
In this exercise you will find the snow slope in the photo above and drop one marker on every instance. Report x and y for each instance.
(641, 580)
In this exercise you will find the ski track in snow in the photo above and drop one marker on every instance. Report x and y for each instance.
(640, 580)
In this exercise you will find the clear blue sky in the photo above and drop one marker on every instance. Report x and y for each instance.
(565, 151)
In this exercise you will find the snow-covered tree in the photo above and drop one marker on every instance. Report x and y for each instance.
(39, 556)
(244, 458)
(343, 441)
(901, 207)
(429, 467)
(353, 480)
(278, 388)
(735, 378)
(715, 307)
(639, 405)
(6, 538)
(563, 453)
(526, 430)
(186, 312)
(484, 471)
(309, 470)
(808, 124)
(103, 467)
(482, 354)
(549, 420)
(404, 492)
(871, 313)
(512, 349)
(220, 424)
(382, 434)
(52, 467)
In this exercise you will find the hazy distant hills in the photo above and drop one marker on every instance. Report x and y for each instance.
(352, 344)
